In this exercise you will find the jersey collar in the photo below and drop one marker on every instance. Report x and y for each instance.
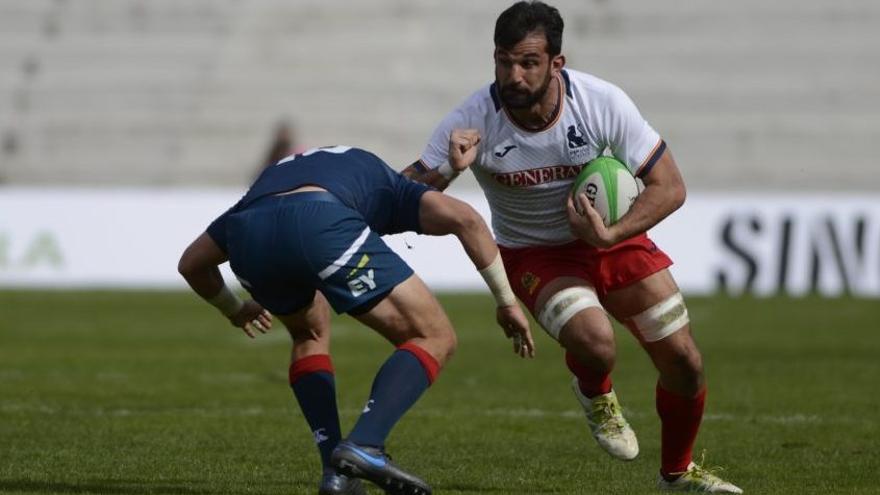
(560, 104)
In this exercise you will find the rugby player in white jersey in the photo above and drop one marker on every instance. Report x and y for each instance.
(537, 125)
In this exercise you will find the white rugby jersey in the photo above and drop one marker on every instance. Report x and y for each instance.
(526, 175)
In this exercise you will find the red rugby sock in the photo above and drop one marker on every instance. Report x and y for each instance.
(680, 419)
(591, 383)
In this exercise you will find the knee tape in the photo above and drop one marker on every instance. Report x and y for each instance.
(662, 319)
(563, 305)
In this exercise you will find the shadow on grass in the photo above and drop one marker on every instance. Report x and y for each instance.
(125, 487)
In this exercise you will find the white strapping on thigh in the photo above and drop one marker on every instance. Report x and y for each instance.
(563, 305)
(663, 319)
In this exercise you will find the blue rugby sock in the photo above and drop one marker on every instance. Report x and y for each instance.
(313, 384)
(398, 385)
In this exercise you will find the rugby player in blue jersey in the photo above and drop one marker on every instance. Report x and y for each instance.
(304, 238)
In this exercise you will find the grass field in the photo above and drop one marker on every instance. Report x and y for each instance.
(152, 393)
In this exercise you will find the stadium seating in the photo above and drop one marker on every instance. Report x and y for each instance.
(160, 92)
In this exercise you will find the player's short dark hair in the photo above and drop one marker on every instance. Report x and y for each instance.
(522, 18)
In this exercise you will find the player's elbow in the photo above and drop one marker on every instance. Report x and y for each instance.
(186, 266)
(678, 195)
(189, 264)
(468, 220)
(459, 218)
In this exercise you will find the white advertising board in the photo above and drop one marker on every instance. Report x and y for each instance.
(763, 244)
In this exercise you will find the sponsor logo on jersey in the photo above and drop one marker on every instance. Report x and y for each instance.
(501, 151)
(535, 176)
(362, 284)
(530, 281)
(362, 263)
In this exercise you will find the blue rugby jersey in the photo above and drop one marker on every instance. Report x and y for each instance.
(387, 201)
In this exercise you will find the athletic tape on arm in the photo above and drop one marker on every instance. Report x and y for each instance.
(496, 279)
(227, 302)
(447, 171)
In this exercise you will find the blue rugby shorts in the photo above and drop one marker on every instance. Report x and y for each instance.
(283, 248)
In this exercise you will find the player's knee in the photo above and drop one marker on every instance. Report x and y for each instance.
(691, 378)
(691, 367)
(438, 338)
(684, 367)
(592, 346)
(449, 344)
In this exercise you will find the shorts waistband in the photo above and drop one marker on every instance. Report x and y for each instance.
(302, 197)
(321, 196)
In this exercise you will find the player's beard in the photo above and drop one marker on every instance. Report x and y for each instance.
(518, 99)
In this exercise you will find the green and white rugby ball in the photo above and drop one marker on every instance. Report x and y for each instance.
(610, 187)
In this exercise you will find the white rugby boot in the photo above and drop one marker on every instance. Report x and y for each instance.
(609, 427)
(697, 479)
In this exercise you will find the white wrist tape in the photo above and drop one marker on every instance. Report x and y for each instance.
(227, 302)
(447, 171)
(497, 281)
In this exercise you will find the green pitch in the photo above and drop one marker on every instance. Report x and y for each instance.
(153, 393)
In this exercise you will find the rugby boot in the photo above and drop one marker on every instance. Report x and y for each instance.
(333, 483)
(374, 465)
(609, 427)
(697, 479)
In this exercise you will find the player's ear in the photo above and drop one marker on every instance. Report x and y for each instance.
(557, 63)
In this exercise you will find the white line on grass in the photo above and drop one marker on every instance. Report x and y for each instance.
(12, 407)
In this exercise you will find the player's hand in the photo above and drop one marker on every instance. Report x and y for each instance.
(252, 318)
(463, 148)
(589, 225)
(516, 327)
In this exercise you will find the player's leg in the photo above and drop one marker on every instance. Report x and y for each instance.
(411, 319)
(279, 279)
(312, 380)
(569, 310)
(654, 310)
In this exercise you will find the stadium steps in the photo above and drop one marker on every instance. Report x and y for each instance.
(167, 92)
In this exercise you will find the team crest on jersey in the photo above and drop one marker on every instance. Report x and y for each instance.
(530, 281)
(578, 151)
(576, 137)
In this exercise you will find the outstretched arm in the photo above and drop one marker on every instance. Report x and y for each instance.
(440, 214)
(199, 266)
(462, 152)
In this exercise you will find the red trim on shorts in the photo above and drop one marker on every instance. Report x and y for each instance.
(431, 366)
(310, 364)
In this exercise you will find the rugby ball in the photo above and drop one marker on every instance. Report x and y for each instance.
(610, 187)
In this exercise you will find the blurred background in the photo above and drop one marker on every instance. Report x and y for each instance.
(750, 94)
(126, 126)
(775, 99)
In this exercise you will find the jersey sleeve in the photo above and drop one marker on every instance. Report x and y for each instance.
(628, 135)
(466, 116)
(217, 230)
